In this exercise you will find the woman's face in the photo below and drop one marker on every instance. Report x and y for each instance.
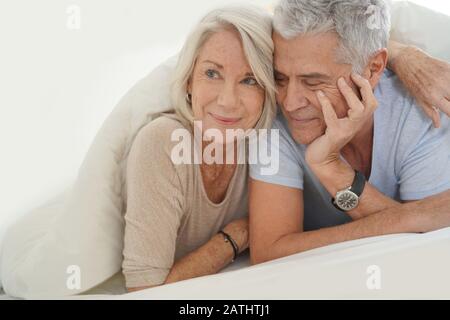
(225, 93)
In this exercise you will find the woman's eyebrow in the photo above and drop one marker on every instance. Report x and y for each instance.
(248, 74)
(215, 63)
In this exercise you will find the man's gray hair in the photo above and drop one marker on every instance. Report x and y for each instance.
(363, 26)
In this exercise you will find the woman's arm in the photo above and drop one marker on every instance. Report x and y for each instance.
(426, 78)
(210, 258)
(155, 209)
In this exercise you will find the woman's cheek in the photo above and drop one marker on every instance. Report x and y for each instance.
(204, 96)
(255, 106)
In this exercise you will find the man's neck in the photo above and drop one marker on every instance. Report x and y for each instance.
(358, 152)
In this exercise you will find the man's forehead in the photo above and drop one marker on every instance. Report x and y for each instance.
(305, 59)
(312, 70)
(319, 48)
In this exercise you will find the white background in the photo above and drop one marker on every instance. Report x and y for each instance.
(58, 85)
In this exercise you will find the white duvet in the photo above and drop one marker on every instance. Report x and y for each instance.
(402, 266)
(83, 226)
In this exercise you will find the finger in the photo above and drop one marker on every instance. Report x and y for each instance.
(329, 114)
(351, 98)
(366, 91)
(444, 105)
(431, 113)
(436, 117)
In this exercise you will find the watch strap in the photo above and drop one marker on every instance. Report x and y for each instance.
(358, 183)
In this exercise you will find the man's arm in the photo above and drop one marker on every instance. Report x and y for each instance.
(276, 226)
(338, 176)
(323, 155)
(425, 77)
(210, 258)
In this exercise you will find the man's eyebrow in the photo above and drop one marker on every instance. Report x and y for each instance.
(315, 75)
(312, 75)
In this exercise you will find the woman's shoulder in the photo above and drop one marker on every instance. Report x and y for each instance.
(158, 134)
(163, 126)
(152, 149)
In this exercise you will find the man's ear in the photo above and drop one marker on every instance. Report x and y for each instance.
(376, 66)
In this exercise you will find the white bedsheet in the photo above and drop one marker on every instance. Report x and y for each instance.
(411, 266)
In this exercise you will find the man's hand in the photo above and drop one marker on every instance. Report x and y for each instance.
(426, 78)
(339, 132)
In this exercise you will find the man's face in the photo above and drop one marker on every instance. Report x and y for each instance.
(303, 66)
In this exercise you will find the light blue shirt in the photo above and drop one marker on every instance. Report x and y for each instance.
(411, 159)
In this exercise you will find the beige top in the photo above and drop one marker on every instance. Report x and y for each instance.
(168, 211)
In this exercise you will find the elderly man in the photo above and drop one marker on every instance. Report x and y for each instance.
(347, 171)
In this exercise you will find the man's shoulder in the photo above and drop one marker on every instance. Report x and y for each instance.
(400, 121)
(398, 111)
(394, 98)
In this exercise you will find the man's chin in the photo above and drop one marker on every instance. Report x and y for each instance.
(304, 137)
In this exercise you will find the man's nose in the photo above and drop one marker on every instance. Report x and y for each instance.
(228, 96)
(295, 97)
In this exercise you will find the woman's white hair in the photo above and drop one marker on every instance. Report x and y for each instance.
(254, 25)
(363, 26)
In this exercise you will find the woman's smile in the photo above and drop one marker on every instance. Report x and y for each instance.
(224, 120)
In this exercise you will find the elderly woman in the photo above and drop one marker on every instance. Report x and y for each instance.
(224, 78)
(189, 220)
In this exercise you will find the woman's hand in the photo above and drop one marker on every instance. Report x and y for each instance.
(238, 231)
(340, 132)
(426, 78)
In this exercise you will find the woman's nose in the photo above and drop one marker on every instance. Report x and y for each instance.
(228, 96)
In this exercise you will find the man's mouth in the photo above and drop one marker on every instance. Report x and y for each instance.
(225, 120)
(302, 120)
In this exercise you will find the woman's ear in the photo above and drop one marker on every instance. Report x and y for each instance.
(376, 66)
(189, 87)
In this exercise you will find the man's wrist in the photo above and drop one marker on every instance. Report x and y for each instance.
(399, 55)
(335, 176)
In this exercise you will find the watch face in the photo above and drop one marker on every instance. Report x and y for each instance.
(347, 200)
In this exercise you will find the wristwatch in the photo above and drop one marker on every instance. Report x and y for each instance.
(348, 199)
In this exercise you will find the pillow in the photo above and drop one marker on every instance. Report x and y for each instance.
(80, 233)
(422, 27)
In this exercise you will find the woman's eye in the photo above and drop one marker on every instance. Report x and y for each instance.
(250, 81)
(212, 74)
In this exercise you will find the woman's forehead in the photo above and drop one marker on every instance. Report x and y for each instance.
(225, 50)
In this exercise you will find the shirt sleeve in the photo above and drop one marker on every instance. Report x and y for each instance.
(286, 168)
(426, 169)
(154, 209)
